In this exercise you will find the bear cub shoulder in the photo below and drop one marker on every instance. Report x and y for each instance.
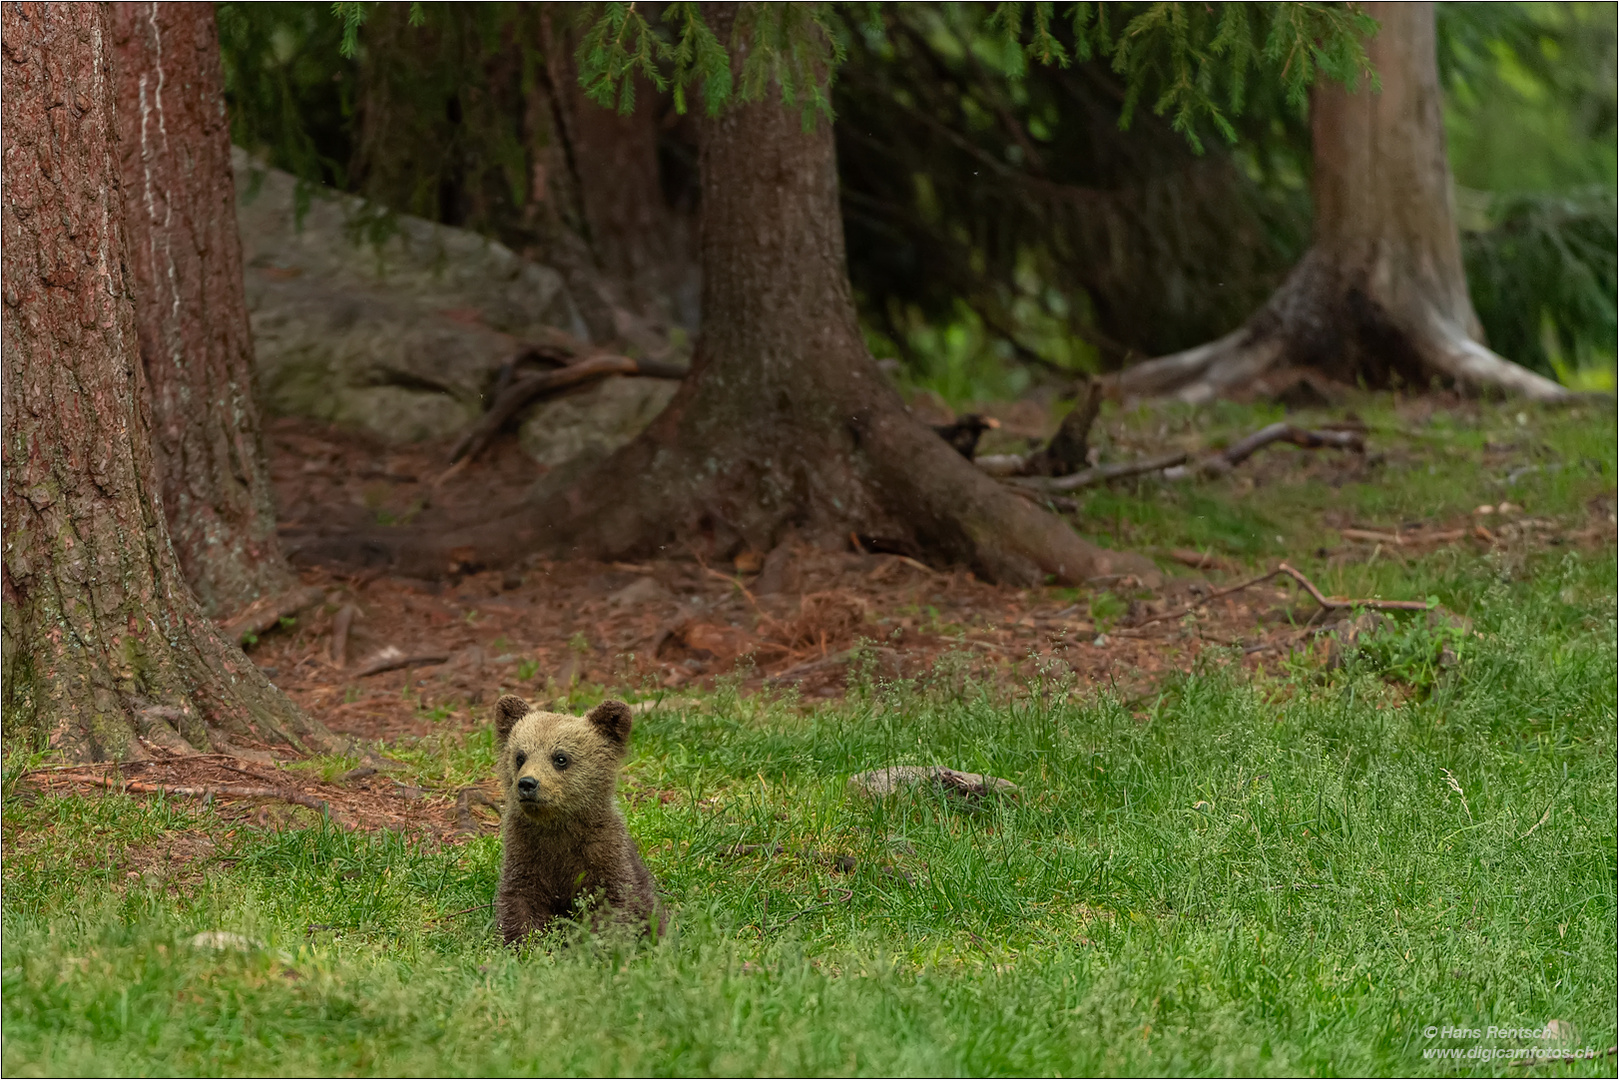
(565, 846)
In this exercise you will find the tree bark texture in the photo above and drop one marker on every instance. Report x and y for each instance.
(637, 238)
(106, 650)
(1381, 297)
(785, 421)
(185, 261)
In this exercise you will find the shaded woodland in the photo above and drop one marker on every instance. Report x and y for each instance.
(782, 210)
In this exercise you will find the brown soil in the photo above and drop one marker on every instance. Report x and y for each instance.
(774, 621)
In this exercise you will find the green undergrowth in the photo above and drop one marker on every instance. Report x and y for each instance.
(1298, 871)
(1286, 502)
(1297, 874)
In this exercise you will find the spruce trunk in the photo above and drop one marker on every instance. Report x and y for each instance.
(785, 421)
(1381, 297)
(185, 262)
(106, 650)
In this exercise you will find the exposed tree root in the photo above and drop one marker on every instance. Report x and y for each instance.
(1381, 297)
(1234, 364)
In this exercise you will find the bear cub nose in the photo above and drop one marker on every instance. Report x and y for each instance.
(528, 787)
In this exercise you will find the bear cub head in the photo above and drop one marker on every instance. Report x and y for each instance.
(555, 767)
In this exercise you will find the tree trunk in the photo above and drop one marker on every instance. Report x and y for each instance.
(185, 261)
(785, 420)
(104, 644)
(639, 241)
(1381, 296)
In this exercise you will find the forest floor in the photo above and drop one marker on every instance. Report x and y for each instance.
(1240, 845)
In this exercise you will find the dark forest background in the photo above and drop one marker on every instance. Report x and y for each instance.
(1001, 222)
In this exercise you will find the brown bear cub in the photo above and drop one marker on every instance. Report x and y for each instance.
(566, 846)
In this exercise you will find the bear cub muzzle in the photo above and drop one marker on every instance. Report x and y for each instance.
(566, 851)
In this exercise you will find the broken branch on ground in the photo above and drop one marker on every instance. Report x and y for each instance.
(1024, 472)
(512, 396)
(1328, 602)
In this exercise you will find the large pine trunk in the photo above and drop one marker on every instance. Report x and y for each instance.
(784, 422)
(106, 650)
(1381, 297)
(185, 262)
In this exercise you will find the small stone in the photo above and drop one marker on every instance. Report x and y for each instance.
(1561, 1032)
(1101, 641)
(880, 783)
(224, 940)
(1345, 639)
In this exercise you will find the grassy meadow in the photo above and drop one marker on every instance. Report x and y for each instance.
(1293, 870)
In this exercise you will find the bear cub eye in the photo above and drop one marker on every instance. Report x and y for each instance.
(521, 757)
(560, 760)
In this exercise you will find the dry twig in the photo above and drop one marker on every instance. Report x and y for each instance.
(392, 659)
(264, 613)
(1243, 449)
(340, 634)
(526, 388)
(1100, 474)
(1328, 602)
(223, 791)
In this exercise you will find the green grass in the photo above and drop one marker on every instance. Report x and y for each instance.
(1291, 873)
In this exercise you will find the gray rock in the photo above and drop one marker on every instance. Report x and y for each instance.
(595, 421)
(881, 783)
(1346, 636)
(400, 338)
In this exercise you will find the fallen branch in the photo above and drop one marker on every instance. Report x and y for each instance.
(524, 389)
(1329, 602)
(1189, 608)
(463, 911)
(391, 659)
(1338, 602)
(1202, 560)
(266, 612)
(340, 635)
(1372, 536)
(1243, 449)
(1099, 474)
(222, 791)
(1566, 1059)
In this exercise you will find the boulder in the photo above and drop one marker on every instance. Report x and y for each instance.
(393, 325)
(881, 783)
(594, 421)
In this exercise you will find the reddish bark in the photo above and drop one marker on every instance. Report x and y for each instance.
(104, 644)
(185, 261)
(1381, 296)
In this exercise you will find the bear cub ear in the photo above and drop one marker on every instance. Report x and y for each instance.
(508, 710)
(612, 719)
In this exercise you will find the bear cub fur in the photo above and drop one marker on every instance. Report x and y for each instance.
(565, 844)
